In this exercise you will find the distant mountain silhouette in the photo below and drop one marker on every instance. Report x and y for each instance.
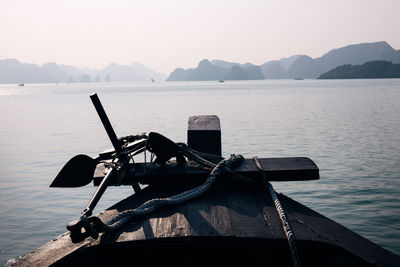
(217, 70)
(12, 71)
(371, 69)
(180, 74)
(297, 66)
(206, 71)
(245, 73)
(278, 69)
(274, 70)
(305, 67)
(130, 73)
(229, 65)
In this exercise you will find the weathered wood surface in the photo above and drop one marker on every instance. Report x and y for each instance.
(204, 134)
(230, 222)
(276, 169)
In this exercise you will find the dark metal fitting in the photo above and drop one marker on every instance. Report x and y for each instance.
(98, 225)
(75, 226)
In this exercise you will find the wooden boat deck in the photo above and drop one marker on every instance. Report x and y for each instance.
(232, 224)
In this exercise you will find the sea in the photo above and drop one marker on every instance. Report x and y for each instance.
(349, 128)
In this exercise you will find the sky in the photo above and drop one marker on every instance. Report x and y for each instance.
(164, 35)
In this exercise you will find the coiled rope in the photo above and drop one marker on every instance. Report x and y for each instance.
(204, 158)
(285, 222)
(148, 207)
(93, 225)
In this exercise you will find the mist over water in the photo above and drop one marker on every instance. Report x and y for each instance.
(350, 128)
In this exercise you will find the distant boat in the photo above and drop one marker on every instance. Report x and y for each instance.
(152, 80)
(21, 84)
(221, 81)
(299, 78)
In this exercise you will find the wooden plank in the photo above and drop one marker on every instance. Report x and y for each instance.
(276, 169)
(224, 211)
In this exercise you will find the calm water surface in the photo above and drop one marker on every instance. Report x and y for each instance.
(350, 128)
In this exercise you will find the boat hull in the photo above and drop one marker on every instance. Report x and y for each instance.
(234, 224)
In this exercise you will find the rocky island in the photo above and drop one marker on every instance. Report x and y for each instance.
(368, 70)
(217, 70)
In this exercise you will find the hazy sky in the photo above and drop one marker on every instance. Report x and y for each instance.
(168, 34)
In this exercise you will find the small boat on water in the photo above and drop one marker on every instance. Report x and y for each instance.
(198, 210)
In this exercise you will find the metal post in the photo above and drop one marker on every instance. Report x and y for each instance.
(99, 192)
(106, 123)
